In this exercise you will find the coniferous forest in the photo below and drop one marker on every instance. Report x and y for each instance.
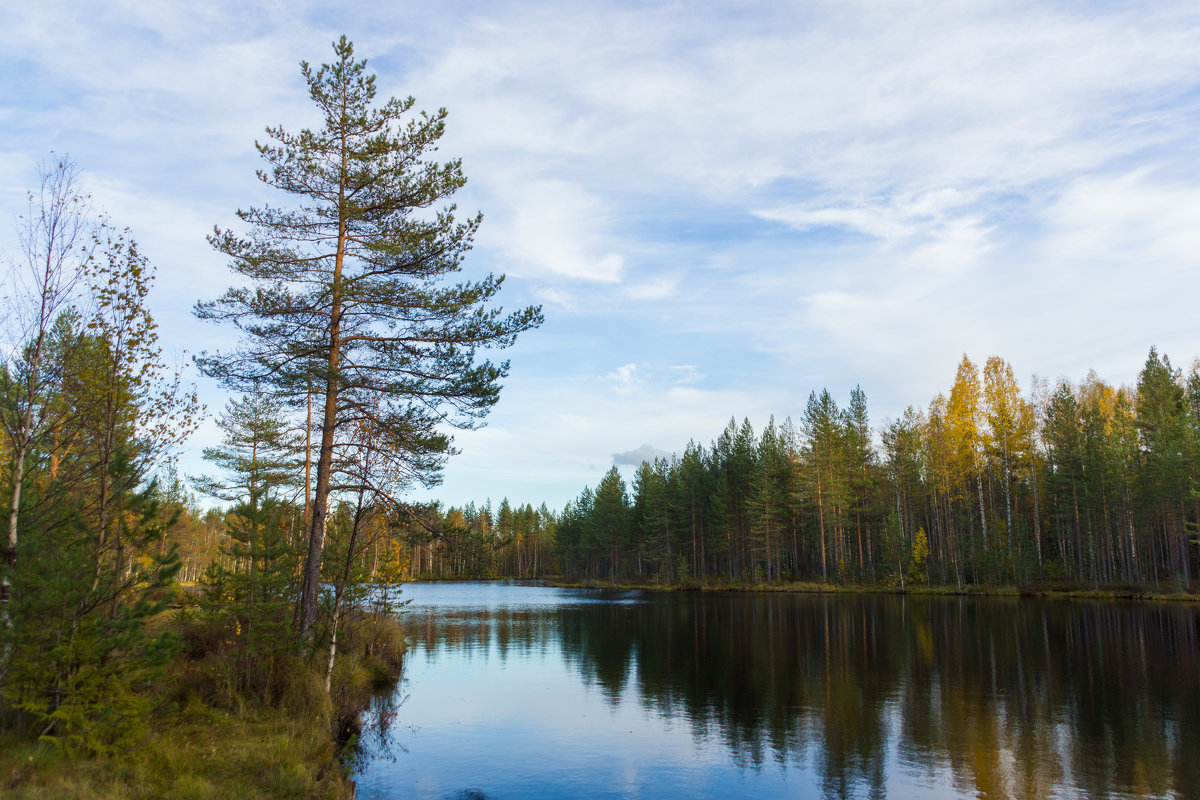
(1082, 485)
(141, 623)
(235, 645)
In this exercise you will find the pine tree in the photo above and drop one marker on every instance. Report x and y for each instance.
(824, 455)
(1064, 443)
(258, 458)
(611, 519)
(862, 476)
(902, 444)
(1162, 420)
(692, 493)
(347, 289)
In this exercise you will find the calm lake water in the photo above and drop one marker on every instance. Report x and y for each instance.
(515, 691)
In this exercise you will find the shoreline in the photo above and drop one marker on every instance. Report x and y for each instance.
(1044, 592)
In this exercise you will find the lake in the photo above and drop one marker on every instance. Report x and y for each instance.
(520, 691)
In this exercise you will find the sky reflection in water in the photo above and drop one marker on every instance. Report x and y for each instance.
(523, 691)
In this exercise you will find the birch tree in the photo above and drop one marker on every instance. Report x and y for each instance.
(55, 236)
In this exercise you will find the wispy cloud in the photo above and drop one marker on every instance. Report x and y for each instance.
(783, 198)
(555, 229)
(654, 289)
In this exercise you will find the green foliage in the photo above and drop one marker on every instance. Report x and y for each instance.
(83, 662)
(249, 594)
(249, 602)
(349, 292)
(1092, 484)
(88, 560)
(91, 412)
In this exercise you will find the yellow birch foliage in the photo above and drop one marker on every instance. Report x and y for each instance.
(964, 435)
(1009, 416)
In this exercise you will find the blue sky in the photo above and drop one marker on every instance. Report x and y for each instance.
(721, 207)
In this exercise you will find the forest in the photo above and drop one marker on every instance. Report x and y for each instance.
(131, 610)
(228, 629)
(1078, 486)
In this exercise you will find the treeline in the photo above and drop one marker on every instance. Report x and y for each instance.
(1088, 485)
(479, 542)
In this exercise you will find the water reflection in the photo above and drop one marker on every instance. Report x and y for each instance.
(849, 696)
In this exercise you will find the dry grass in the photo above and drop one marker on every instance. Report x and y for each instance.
(208, 740)
(196, 753)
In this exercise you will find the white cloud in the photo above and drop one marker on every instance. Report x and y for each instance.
(554, 229)
(1132, 218)
(875, 222)
(624, 378)
(940, 230)
(1015, 179)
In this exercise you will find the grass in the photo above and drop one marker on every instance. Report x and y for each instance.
(195, 753)
(205, 741)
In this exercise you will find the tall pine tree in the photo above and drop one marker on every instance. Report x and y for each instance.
(347, 293)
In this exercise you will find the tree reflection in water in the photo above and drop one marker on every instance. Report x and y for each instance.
(1011, 698)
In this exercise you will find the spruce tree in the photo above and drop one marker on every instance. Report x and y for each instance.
(344, 291)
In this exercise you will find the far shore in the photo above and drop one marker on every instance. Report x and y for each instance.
(1040, 591)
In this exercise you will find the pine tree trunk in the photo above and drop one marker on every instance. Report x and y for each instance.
(821, 520)
(311, 588)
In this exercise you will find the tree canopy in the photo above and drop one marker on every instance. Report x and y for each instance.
(347, 293)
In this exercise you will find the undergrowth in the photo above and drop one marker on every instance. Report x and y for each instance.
(227, 724)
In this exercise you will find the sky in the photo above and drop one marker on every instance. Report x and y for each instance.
(721, 207)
